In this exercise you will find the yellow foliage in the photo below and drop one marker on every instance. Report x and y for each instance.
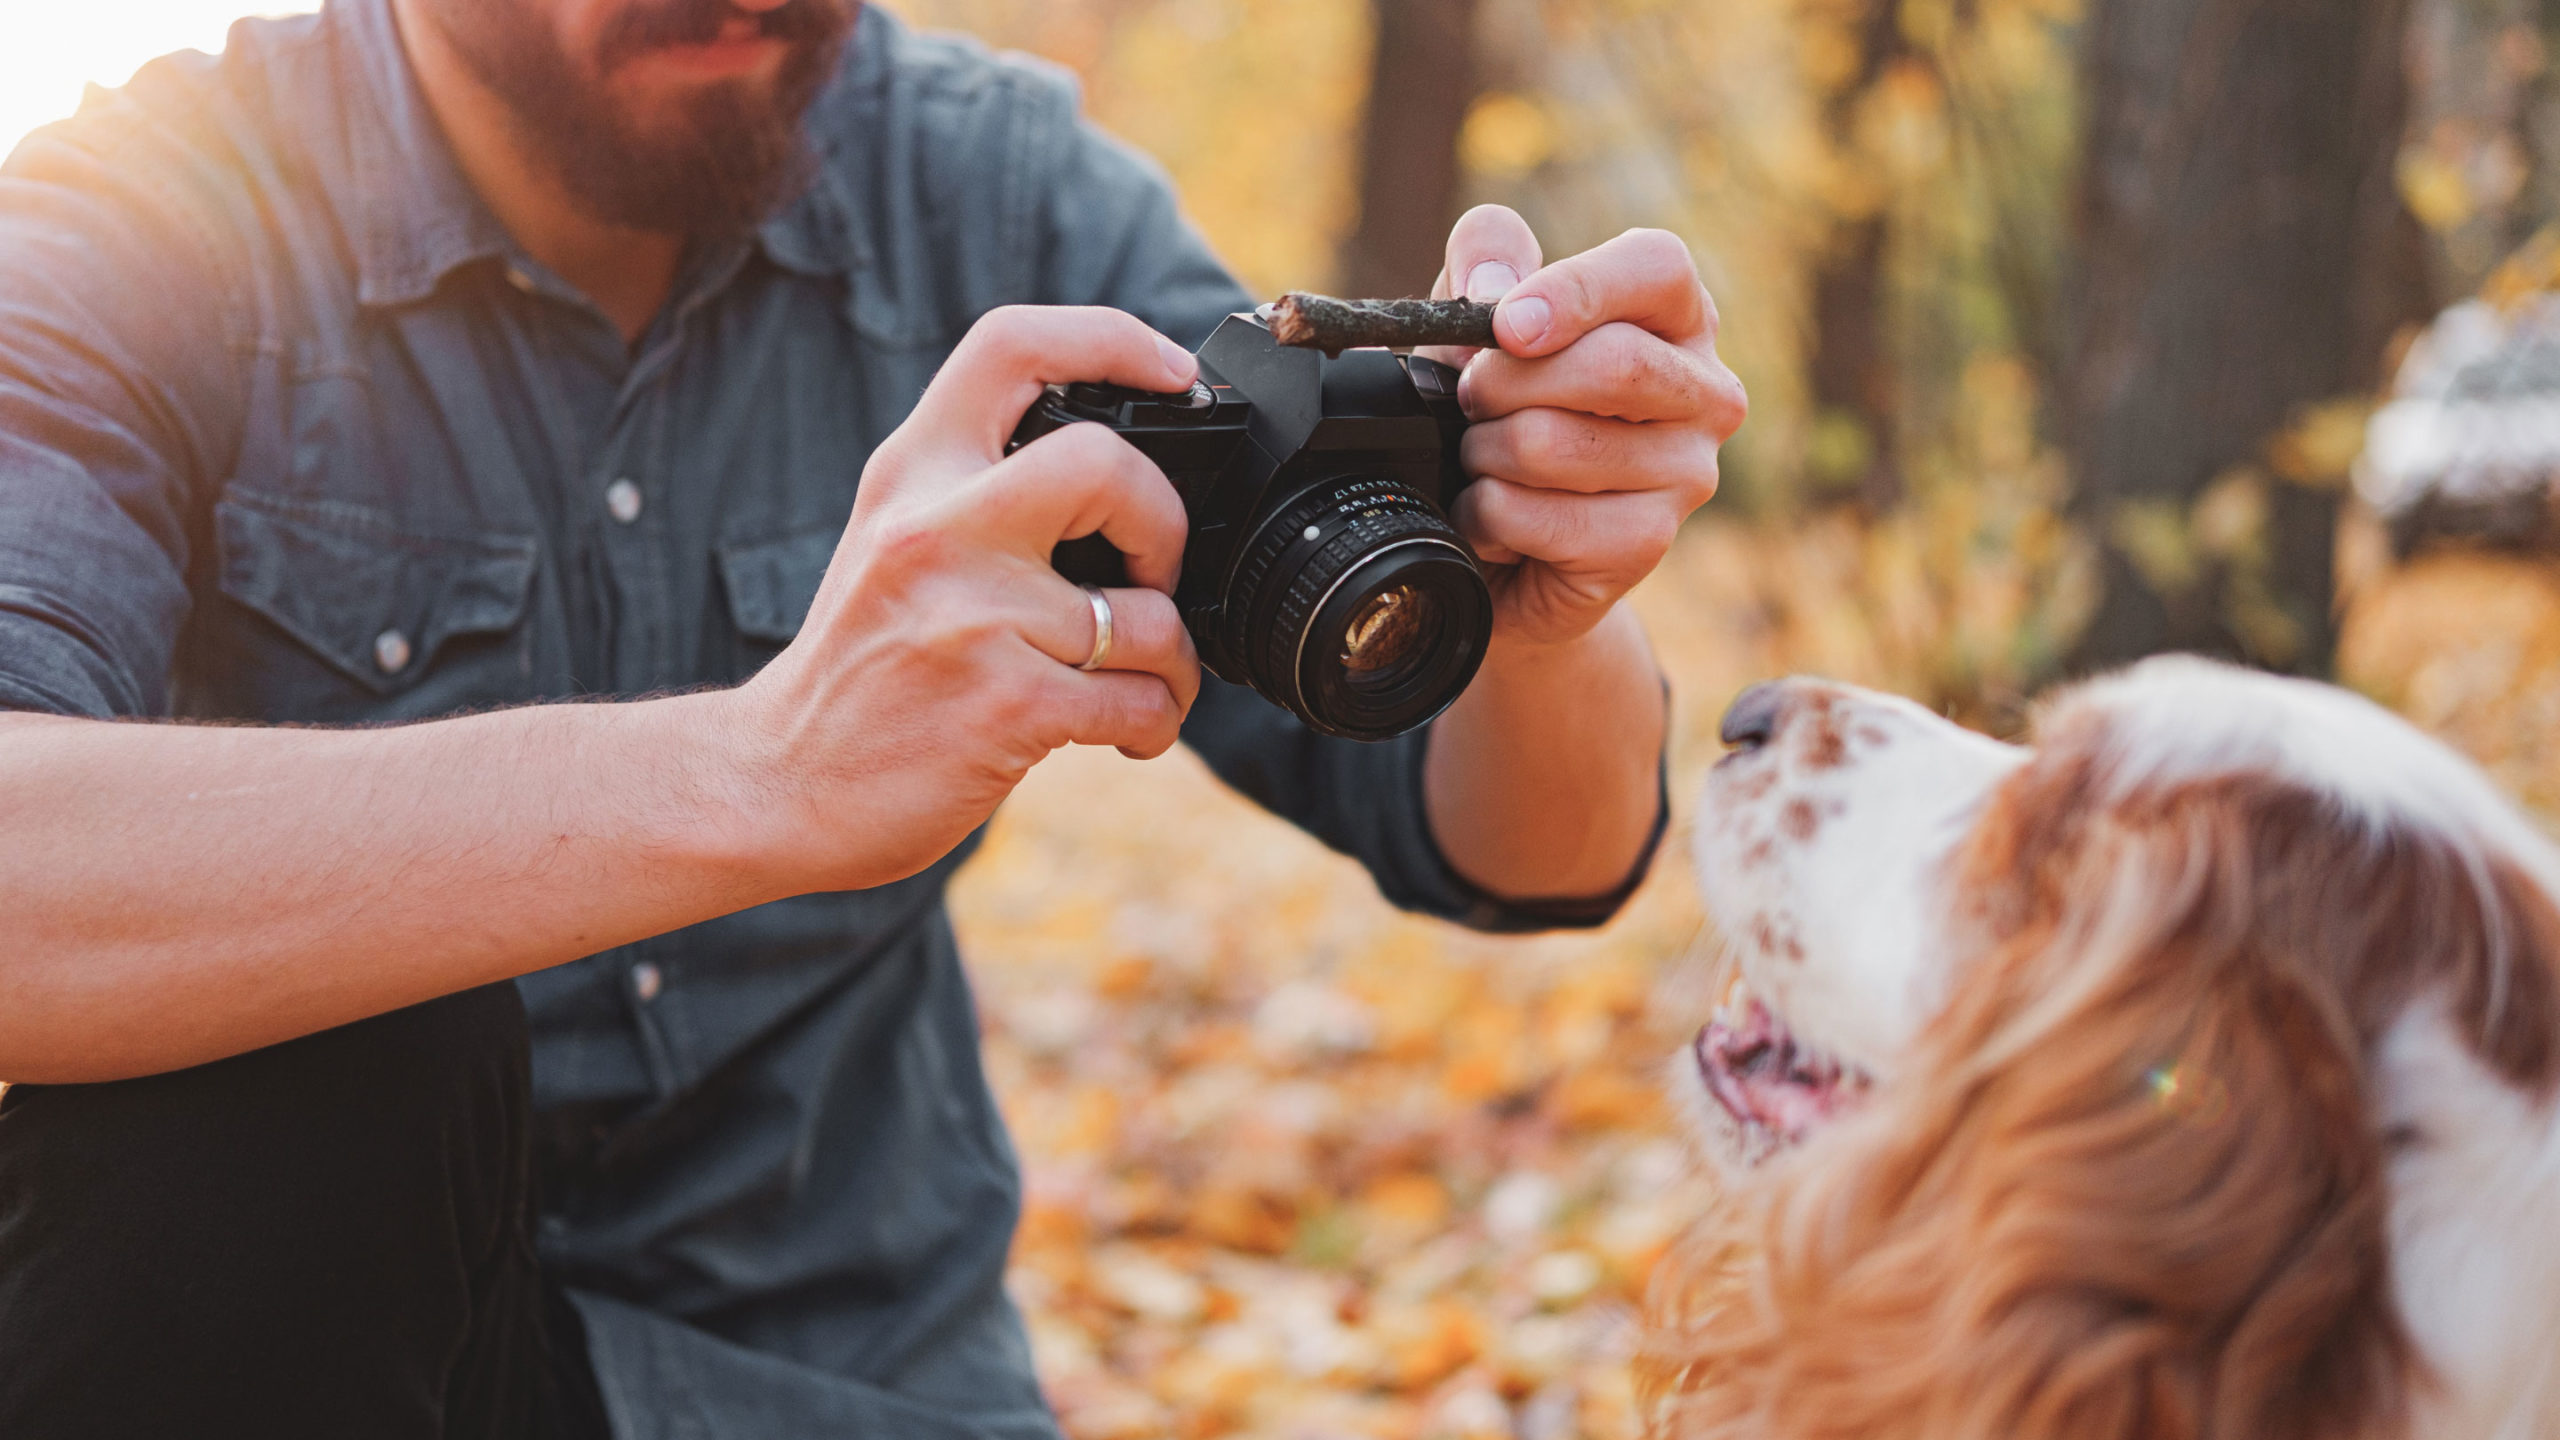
(2435, 189)
(1829, 54)
(2531, 272)
(1506, 134)
(1408, 1201)
(1251, 104)
(1903, 122)
(2229, 520)
(2320, 448)
(2153, 535)
(1427, 1344)
(1240, 1218)
(1605, 1099)
(2468, 646)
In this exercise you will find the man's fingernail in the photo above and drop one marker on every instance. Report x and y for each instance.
(1491, 280)
(1176, 359)
(1530, 317)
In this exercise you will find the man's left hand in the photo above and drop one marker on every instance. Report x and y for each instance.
(1596, 424)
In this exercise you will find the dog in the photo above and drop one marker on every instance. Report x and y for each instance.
(2190, 1075)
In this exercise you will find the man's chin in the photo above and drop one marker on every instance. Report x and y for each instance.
(680, 136)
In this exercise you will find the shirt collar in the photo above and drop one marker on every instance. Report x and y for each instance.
(815, 234)
(415, 219)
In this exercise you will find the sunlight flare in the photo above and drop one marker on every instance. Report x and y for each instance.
(50, 52)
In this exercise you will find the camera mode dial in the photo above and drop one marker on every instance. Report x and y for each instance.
(1120, 406)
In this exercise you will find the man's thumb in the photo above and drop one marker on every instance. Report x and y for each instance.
(1490, 250)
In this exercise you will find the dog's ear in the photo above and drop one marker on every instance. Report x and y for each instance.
(2128, 1188)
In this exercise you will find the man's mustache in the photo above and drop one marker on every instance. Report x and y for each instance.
(801, 24)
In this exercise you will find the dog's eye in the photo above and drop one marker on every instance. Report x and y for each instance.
(2402, 1138)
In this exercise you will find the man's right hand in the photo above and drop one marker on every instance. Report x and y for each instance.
(181, 893)
(938, 664)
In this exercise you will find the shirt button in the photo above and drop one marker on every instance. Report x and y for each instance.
(517, 277)
(622, 501)
(391, 652)
(646, 981)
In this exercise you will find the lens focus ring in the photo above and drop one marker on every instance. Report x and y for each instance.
(1283, 566)
(1286, 585)
(1285, 640)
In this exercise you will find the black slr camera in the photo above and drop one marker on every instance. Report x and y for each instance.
(1321, 570)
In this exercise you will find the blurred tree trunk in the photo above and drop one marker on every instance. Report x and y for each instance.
(2243, 254)
(1421, 83)
(1851, 373)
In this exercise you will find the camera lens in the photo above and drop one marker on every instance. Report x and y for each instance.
(1357, 607)
(1389, 635)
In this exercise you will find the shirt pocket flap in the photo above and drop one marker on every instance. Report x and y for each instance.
(772, 583)
(370, 597)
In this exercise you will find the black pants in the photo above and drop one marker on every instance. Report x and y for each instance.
(330, 1238)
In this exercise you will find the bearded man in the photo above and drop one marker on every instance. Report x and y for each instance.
(528, 1008)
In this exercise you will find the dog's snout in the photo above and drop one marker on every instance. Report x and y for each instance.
(1752, 720)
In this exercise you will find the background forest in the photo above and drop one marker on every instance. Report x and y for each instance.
(2062, 321)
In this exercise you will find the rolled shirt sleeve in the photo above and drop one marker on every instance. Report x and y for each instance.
(123, 356)
(114, 351)
(1117, 237)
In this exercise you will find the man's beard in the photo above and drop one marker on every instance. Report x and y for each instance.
(723, 162)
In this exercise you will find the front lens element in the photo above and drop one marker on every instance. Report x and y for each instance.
(1388, 634)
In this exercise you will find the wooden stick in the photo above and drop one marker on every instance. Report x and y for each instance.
(1320, 322)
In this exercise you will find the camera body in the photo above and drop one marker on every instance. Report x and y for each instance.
(1321, 568)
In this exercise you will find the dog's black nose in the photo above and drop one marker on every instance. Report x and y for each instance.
(1752, 720)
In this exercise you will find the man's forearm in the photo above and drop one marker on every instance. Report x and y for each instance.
(1543, 780)
(175, 894)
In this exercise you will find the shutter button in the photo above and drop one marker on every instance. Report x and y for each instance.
(646, 981)
(622, 501)
(391, 652)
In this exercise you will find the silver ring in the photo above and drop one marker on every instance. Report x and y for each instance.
(1101, 629)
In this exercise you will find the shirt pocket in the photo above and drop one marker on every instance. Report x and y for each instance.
(771, 584)
(361, 618)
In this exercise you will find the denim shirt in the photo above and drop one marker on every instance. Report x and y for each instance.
(292, 432)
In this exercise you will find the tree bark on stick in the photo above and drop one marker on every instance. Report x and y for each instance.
(2243, 254)
(1322, 322)
(1422, 80)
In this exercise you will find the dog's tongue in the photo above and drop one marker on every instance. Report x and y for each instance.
(1755, 1070)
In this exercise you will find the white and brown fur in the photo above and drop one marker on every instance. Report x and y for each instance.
(2198, 1073)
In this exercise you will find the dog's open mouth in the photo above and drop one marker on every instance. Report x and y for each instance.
(1775, 1088)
